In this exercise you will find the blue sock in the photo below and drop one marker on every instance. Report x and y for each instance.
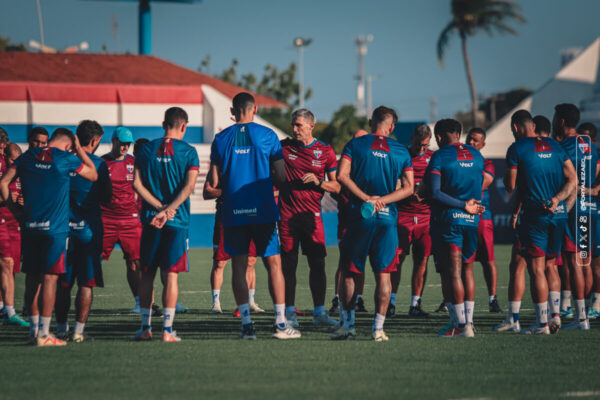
(393, 299)
(318, 310)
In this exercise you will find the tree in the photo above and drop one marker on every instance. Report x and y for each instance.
(342, 127)
(470, 17)
(6, 45)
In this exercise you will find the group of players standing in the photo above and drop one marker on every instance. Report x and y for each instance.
(71, 208)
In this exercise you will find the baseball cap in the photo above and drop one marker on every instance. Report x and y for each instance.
(123, 135)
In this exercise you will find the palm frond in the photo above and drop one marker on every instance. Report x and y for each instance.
(443, 40)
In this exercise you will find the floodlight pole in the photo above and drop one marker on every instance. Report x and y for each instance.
(300, 44)
(145, 28)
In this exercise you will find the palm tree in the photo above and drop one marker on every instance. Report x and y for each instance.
(470, 17)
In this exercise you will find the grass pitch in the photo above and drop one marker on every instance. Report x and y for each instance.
(211, 363)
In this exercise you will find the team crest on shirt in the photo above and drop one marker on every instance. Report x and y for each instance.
(427, 160)
(130, 168)
(318, 153)
(584, 146)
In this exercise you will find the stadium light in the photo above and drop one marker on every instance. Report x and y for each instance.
(301, 43)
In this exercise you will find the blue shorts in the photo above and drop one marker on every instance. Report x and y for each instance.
(84, 255)
(463, 238)
(373, 237)
(166, 248)
(541, 236)
(265, 238)
(44, 252)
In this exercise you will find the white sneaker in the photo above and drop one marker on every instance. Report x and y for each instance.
(255, 308)
(286, 332)
(216, 308)
(292, 319)
(554, 324)
(583, 325)
(507, 325)
(324, 319)
(537, 330)
(379, 336)
(468, 331)
(136, 309)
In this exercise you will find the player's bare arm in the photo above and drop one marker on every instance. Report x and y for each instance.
(89, 169)
(515, 213)
(8, 176)
(510, 180)
(330, 185)
(278, 172)
(343, 177)
(568, 190)
(210, 189)
(487, 181)
(141, 190)
(405, 189)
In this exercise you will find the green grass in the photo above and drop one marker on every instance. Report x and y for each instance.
(211, 363)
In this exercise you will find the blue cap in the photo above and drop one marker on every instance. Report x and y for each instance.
(123, 135)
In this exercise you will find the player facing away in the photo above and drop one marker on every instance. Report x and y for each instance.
(242, 158)
(84, 252)
(371, 169)
(45, 178)
(220, 256)
(455, 178)
(165, 175)
(10, 236)
(413, 226)
(308, 162)
(485, 242)
(544, 177)
(578, 241)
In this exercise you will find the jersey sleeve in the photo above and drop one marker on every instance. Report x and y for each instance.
(435, 165)
(347, 152)
(193, 160)
(275, 152)
(139, 159)
(512, 159)
(407, 162)
(332, 164)
(488, 168)
(73, 162)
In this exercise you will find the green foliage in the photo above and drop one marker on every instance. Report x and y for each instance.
(6, 45)
(342, 127)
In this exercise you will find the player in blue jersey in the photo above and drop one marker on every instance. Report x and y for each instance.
(579, 233)
(372, 169)
(455, 179)
(45, 178)
(84, 252)
(164, 176)
(544, 177)
(242, 157)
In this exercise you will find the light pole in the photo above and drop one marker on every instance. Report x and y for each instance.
(300, 43)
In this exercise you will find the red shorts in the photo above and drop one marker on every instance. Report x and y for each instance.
(10, 243)
(126, 232)
(414, 229)
(219, 253)
(485, 241)
(305, 229)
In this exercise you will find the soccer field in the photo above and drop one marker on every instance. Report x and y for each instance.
(211, 362)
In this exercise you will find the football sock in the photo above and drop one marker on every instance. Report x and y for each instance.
(318, 310)
(554, 303)
(9, 310)
(279, 315)
(251, 293)
(64, 327)
(587, 303)
(290, 309)
(581, 314)
(469, 308)
(137, 300)
(79, 327)
(34, 323)
(513, 310)
(168, 316)
(245, 313)
(596, 301)
(45, 326)
(146, 314)
(451, 311)
(541, 313)
(459, 310)
(215, 295)
(492, 298)
(378, 322)
(349, 319)
(565, 299)
(414, 300)
(393, 299)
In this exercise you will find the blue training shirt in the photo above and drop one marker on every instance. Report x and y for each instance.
(461, 169)
(377, 164)
(244, 153)
(539, 162)
(163, 164)
(45, 182)
(85, 194)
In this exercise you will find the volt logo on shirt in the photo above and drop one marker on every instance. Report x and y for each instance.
(242, 151)
(379, 154)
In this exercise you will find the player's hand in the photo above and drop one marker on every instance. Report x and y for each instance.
(159, 220)
(474, 207)
(552, 208)
(76, 144)
(377, 203)
(513, 222)
(310, 178)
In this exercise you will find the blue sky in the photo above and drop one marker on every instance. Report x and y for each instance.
(261, 31)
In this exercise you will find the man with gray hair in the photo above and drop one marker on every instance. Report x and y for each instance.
(307, 162)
